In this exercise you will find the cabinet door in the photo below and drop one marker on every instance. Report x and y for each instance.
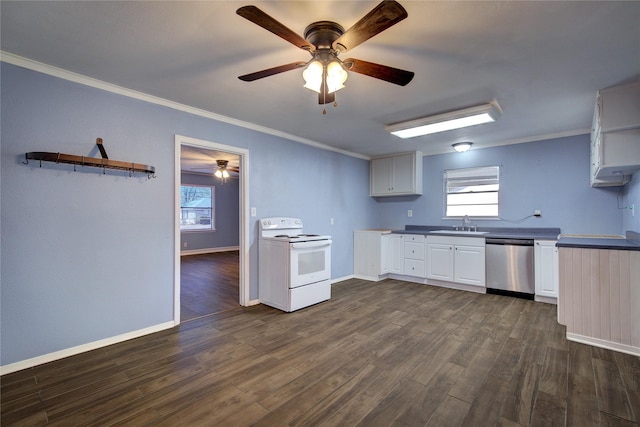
(470, 265)
(385, 253)
(397, 254)
(381, 172)
(403, 176)
(546, 268)
(440, 262)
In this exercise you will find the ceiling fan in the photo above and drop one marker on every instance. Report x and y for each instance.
(325, 40)
(220, 170)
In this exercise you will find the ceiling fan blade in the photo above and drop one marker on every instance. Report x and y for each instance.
(382, 72)
(260, 18)
(380, 18)
(271, 71)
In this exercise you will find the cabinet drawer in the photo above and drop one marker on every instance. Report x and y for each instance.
(416, 238)
(414, 267)
(414, 250)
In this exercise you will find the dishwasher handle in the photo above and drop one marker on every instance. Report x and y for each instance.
(510, 242)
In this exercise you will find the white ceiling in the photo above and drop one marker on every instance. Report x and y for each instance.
(542, 61)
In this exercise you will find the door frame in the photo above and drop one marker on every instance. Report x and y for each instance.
(181, 140)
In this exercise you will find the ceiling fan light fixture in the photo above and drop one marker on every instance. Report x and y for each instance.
(312, 76)
(472, 116)
(222, 171)
(461, 147)
(336, 76)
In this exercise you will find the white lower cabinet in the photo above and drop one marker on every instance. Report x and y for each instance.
(377, 253)
(456, 259)
(395, 256)
(414, 262)
(439, 261)
(469, 264)
(545, 255)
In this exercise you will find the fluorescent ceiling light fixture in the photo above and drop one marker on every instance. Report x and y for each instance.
(461, 147)
(472, 116)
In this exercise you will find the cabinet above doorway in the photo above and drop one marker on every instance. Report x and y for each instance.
(396, 175)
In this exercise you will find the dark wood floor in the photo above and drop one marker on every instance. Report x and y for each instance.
(209, 283)
(376, 354)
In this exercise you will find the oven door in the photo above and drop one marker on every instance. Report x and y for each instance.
(310, 262)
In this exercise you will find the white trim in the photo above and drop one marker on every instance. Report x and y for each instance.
(244, 248)
(61, 354)
(609, 345)
(253, 302)
(40, 67)
(209, 250)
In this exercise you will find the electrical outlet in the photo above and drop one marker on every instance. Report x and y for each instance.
(409, 213)
(537, 212)
(184, 244)
(253, 212)
(331, 221)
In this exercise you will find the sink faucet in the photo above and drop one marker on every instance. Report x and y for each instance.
(466, 222)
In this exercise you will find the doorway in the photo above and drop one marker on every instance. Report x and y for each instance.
(243, 220)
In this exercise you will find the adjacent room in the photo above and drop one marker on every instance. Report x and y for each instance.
(300, 213)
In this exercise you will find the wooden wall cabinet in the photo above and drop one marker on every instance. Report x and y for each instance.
(398, 175)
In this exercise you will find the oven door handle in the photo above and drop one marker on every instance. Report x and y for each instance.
(313, 244)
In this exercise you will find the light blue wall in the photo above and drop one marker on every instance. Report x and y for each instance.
(551, 175)
(226, 215)
(632, 197)
(87, 256)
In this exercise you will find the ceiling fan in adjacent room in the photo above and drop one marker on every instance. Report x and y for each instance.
(325, 73)
(220, 170)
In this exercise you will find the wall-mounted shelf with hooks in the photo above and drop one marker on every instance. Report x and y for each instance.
(104, 162)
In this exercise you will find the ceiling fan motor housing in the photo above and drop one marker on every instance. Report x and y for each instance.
(322, 34)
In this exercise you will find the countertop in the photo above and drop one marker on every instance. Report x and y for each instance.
(630, 243)
(492, 232)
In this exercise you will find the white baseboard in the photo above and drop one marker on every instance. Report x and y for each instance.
(209, 250)
(253, 302)
(609, 345)
(46, 358)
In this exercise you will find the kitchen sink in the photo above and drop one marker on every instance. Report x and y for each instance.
(463, 232)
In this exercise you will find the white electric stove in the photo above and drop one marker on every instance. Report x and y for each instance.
(294, 266)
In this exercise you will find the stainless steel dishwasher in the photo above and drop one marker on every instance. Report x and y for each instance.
(510, 267)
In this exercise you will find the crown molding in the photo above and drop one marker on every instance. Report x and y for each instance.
(43, 68)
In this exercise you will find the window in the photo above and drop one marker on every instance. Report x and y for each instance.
(472, 191)
(196, 207)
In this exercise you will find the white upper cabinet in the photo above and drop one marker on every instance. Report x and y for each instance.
(397, 175)
(615, 136)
